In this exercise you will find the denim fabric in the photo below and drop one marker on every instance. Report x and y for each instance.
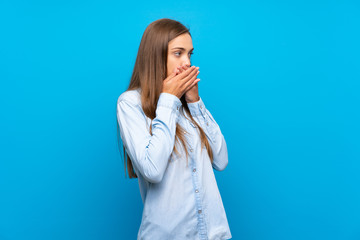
(181, 199)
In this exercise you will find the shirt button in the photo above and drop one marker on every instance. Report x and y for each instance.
(199, 211)
(196, 191)
(191, 150)
(207, 124)
(194, 170)
(200, 107)
(177, 108)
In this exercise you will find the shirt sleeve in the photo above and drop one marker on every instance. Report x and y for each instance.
(212, 130)
(149, 153)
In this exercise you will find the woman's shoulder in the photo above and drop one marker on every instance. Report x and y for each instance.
(131, 96)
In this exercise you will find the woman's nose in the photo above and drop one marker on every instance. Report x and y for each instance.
(187, 63)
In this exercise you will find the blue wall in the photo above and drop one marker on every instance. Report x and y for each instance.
(280, 77)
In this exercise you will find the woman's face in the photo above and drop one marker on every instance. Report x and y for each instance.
(179, 52)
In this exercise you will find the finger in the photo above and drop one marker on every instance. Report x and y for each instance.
(186, 72)
(177, 70)
(187, 66)
(184, 77)
(180, 69)
(173, 74)
(193, 84)
(190, 82)
(191, 75)
(183, 67)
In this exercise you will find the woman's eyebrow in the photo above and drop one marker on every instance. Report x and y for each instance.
(182, 48)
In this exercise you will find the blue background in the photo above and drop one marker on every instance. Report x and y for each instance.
(281, 79)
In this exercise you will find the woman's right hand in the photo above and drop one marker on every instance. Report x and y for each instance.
(179, 84)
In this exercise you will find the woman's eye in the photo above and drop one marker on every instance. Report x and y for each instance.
(180, 53)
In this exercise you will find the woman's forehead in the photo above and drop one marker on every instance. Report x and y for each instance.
(182, 41)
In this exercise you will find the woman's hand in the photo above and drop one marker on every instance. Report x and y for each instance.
(192, 95)
(179, 83)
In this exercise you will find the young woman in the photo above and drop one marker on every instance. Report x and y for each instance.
(171, 140)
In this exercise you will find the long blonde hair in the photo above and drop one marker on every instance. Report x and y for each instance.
(148, 74)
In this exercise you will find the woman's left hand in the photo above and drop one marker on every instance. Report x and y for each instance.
(192, 95)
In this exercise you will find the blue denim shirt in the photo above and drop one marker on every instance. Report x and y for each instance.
(181, 200)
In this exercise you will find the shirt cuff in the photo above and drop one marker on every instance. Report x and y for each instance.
(170, 101)
(197, 108)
